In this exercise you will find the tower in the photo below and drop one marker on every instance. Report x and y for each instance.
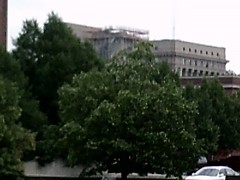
(3, 23)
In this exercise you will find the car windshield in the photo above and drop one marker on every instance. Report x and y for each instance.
(207, 172)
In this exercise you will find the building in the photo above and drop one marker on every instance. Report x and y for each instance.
(109, 41)
(3, 23)
(191, 59)
(188, 59)
(231, 84)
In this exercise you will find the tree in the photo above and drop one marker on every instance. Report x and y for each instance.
(207, 130)
(231, 123)
(10, 69)
(142, 52)
(218, 115)
(124, 119)
(26, 50)
(51, 56)
(14, 139)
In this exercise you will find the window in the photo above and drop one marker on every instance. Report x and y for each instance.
(208, 172)
(184, 49)
(195, 51)
(156, 48)
(207, 52)
(189, 49)
(201, 51)
(223, 171)
(212, 53)
(195, 62)
(184, 61)
(230, 172)
(217, 54)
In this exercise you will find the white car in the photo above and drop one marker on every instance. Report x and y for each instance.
(212, 173)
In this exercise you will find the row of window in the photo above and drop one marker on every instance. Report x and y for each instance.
(205, 64)
(191, 72)
(201, 51)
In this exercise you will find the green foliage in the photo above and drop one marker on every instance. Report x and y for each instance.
(128, 118)
(231, 123)
(10, 69)
(141, 51)
(14, 139)
(218, 115)
(49, 57)
(26, 50)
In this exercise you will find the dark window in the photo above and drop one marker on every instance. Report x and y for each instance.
(156, 48)
(217, 54)
(201, 51)
(195, 51)
(223, 171)
(212, 53)
(208, 172)
(189, 49)
(184, 49)
(206, 52)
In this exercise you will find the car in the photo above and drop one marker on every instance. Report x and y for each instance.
(212, 173)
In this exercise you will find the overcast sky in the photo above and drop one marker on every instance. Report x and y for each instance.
(211, 22)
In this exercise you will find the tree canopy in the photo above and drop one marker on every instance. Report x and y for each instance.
(31, 117)
(14, 139)
(124, 119)
(218, 115)
(128, 115)
(51, 56)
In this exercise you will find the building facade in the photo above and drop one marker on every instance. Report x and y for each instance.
(3, 23)
(109, 41)
(231, 84)
(186, 58)
(191, 59)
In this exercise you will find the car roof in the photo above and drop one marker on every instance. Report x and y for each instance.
(215, 167)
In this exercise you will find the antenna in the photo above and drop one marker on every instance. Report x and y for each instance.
(174, 20)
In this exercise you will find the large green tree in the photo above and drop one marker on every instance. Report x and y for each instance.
(218, 119)
(128, 118)
(31, 117)
(14, 139)
(51, 56)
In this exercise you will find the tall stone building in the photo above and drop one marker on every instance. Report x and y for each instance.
(3, 23)
(187, 58)
(191, 59)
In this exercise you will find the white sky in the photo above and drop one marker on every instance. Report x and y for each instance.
(211, 22)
